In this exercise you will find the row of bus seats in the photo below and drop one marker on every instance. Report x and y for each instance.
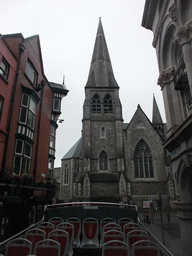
(59, 238)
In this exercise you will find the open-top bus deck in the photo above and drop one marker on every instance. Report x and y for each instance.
(93, 228)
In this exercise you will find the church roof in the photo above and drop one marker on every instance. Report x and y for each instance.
(75, 151)
(101, 72)
(156, 119)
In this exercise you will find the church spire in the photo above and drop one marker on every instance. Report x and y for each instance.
(101, 72)
(156, 119)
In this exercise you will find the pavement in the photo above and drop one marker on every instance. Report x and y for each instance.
(168, 233)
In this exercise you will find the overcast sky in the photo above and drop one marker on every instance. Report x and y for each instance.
(67, 30)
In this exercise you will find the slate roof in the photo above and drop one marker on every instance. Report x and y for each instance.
(101, 72)
(59, 87)
(75, 151)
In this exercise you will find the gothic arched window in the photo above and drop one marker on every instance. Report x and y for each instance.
(143, 161)
(66, 175)
(103, 161)
(96, 104)
(108, 105)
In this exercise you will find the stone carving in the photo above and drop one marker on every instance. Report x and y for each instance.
(166, 76)
(173, 12)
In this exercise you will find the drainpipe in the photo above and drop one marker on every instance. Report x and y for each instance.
(21, 50)
(39, 87)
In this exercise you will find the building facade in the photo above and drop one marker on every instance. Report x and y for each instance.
(171, 24)
(29, 109)
(114, 161)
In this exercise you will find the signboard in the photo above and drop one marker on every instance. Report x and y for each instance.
(145, 204)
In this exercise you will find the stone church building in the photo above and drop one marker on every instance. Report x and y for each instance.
(115, 161)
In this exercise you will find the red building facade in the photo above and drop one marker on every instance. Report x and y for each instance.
(29, 110)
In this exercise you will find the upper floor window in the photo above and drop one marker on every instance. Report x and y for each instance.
(96, 104)
(51, 164)
(57, 102)
(22, 158)
(31, 72)
(28, 111)
(143, 161)
(108, 105)
(52, 137)
(4, 68)
(103, 161)
(102, 132)
(1, 105)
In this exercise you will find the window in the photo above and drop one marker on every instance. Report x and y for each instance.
(4, 68)
(143, 161)
(188, 97)
(52, 137)
(1, 105)
(31, 72)
(108, 106)
(103, 161)
(50, 163)
(96, 104)
(22, 158)
(28, 111)
(66, 175)
(102, 132)
(57, 102)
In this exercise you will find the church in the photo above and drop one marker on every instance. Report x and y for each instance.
(115, 161)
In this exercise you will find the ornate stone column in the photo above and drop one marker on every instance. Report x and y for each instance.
(170, 97)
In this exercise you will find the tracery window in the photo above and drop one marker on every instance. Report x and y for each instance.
(143, 161)
(96, 104)
(108, 105)
(103, 161)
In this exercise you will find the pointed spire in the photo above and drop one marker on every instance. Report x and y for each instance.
(156, 118)
(100, 50)
(101, 72)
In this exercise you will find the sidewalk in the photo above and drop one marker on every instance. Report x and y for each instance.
(171, 231)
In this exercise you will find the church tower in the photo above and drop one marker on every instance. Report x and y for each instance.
(113, 161)
(102, 133)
